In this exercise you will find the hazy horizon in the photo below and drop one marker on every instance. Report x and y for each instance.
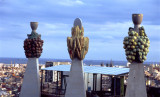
(48, 59)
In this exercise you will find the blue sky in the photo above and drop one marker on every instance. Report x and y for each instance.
(105, 22)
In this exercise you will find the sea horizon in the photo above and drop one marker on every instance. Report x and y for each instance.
(9, 60)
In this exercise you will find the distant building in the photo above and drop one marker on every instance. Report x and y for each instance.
(50, 76)
(107, 65)
(102, 64)
(111, 64)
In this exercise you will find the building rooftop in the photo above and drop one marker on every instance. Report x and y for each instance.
(92, 69)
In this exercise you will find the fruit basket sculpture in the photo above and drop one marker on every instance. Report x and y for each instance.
(136, 44)
(33, 44)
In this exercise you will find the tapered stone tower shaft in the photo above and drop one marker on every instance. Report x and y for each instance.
(77, 48)
(33, 49)
(136, 86)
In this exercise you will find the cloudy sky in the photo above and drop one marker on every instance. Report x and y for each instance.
(105, 22)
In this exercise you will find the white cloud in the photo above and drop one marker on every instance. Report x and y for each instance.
(114, 29)
(55, 25)
(52, 29)
(118, 29)
(70, 2)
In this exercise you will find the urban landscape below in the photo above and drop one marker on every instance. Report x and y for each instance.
(11, 79)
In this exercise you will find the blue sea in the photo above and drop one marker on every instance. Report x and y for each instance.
(87, 62)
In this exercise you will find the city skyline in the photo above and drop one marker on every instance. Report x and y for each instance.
(106, 24)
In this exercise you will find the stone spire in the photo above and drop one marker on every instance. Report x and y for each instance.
(77, 48)
(33, 49)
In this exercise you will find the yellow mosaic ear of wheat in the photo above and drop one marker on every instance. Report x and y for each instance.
(77, 43)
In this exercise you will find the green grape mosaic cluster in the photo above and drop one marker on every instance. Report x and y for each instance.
(136, 45)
